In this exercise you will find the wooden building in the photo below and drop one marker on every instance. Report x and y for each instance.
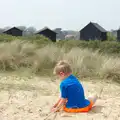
(118, 34)
(93, 31)
(14, 31)
(48, 33)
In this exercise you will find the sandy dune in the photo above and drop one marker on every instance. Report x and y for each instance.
(23, 98)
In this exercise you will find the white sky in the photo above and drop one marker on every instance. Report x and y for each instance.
(66, 14)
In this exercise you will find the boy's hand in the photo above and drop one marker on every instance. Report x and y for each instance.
(54, 109)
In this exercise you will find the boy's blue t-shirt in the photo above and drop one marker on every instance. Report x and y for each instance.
(72, 89)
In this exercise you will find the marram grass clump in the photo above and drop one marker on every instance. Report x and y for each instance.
(25, 55)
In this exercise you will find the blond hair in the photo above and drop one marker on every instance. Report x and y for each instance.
(62, 66)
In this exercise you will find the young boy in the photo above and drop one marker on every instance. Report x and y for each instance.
(72, 93)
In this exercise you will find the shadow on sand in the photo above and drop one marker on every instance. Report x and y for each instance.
(96, 109)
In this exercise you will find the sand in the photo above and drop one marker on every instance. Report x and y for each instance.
(23, 98)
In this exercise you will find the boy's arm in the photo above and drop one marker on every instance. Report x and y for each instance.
(60, 103)
(61, 86)
(57, 103)
(62, 99)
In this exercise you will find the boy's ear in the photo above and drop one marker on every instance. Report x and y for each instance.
(61, 73)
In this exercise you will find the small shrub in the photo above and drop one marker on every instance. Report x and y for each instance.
(111, 37)
(7, 38)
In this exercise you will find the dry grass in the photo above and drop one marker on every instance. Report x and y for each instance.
(23, 55)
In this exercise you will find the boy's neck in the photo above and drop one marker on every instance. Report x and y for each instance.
(67, 75)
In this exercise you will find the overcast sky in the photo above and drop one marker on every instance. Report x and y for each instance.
(66, 14)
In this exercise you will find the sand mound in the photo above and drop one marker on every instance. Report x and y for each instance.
(31, 99)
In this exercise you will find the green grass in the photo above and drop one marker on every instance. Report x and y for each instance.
(38, 55)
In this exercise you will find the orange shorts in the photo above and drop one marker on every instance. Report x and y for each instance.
(77, 110)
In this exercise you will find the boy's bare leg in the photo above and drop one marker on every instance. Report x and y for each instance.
(93, 98)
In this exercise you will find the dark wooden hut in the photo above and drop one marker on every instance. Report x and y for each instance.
(13, 31)
(48, 33)
(93, 31)
(118, 35)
